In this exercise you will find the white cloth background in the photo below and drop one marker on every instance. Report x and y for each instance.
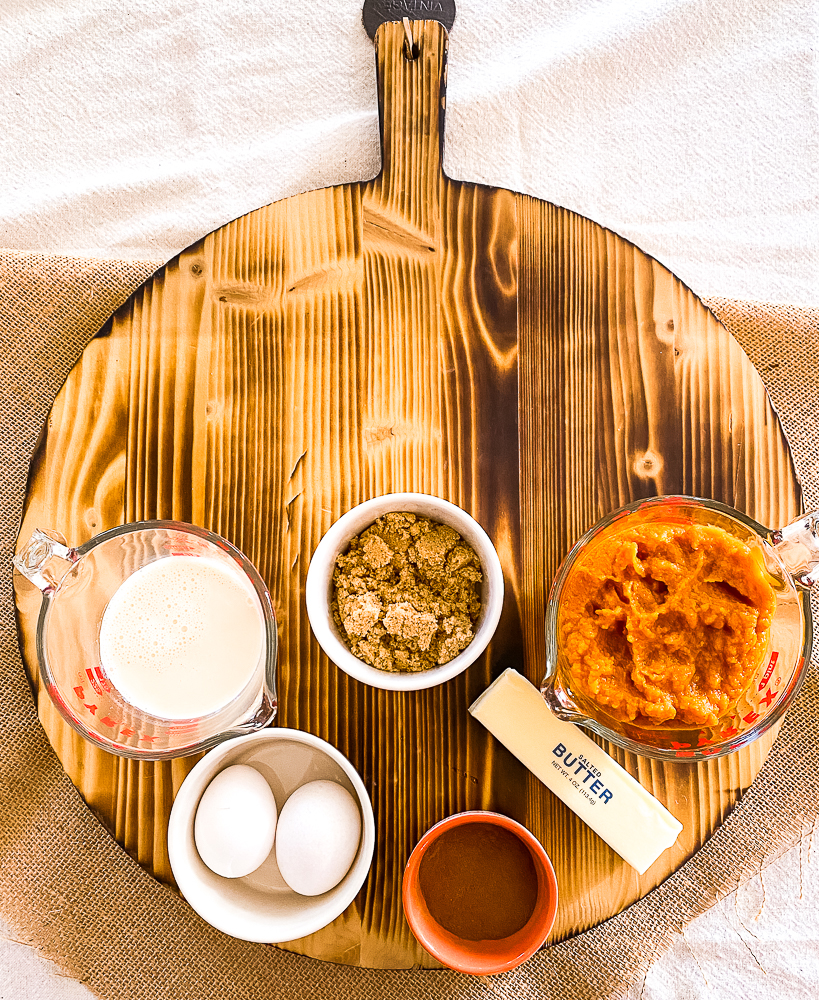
(689, 126)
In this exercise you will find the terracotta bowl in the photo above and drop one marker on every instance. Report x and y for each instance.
(481, 958)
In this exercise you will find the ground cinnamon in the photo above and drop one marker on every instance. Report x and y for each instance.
(479, 882)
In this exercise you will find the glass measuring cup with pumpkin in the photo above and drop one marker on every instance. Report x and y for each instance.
(679, 627)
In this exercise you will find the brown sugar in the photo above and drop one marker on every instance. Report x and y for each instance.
(407, 593)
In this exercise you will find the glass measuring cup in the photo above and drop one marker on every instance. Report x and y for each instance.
(77, 585)
(790, 556)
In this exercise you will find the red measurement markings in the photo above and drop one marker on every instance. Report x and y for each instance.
(726, 734)
(98, 681)
(185, 549)
(750, 717)
(769, 697)
(107, 720)
(768, 670)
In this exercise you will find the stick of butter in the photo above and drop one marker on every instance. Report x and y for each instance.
(616, 806)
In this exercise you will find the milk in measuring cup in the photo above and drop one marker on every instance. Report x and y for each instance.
(182, 637)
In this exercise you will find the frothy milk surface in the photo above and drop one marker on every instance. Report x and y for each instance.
(182, 636)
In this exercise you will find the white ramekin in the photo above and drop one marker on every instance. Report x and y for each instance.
(261, 906)
(320, 577)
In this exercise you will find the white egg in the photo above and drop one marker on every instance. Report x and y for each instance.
(317, 837)
(235, 824)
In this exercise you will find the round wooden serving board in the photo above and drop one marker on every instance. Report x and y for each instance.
(408, 333)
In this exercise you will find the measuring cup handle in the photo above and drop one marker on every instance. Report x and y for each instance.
(45, 559)
(797, 545)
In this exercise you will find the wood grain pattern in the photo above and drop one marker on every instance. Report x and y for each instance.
(409, 333)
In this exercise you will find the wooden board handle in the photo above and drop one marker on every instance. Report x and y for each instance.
(411, 97)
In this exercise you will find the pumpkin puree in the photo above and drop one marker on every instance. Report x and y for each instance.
(665, 622)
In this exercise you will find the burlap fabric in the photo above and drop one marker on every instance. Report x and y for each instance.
(66, 886)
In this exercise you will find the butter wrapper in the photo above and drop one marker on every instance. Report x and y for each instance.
(593, 785)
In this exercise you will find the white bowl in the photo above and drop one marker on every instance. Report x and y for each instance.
(318, 589)
(261, 906)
